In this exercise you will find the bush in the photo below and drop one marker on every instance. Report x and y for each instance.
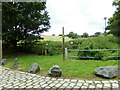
(98, 43)
(102, 55)
(54, 49)
(39, 49)
(48, 47)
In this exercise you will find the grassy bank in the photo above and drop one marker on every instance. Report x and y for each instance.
(71, 68)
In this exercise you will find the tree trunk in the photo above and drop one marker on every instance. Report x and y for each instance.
(14, 44)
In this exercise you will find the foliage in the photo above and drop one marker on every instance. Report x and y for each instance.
(60, 35)
(48, 47)
(51, 48)
(20, 21)
(85, 35)
(95, 43)
(73, 35)
(53, 35)
(97, 33)
(114, 22)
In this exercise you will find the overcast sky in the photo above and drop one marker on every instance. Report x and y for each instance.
(78, 16)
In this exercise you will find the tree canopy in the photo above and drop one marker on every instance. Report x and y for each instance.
(73, 35)
(85, 35)
(114, 22)
(97, 33)
(22, 20)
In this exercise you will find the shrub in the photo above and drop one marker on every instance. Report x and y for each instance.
(39, 49)
(48, 47)
(101, 55)
(98, 43)
(54, 50)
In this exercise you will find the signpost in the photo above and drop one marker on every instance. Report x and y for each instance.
(63, 36)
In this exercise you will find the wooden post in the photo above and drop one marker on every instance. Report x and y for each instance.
(42, 48)
(0, 32)
(66, 52)
(63, 44)
(45, 49)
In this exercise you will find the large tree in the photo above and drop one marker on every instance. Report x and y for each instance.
(73, 35)
(22, 20)
(85, 35)
(114, 22)
(97, 33)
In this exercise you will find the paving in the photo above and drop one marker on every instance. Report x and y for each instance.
(16, 79)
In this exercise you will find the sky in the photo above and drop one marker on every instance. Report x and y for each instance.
(78, 16)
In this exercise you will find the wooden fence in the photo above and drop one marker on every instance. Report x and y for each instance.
(66, 52)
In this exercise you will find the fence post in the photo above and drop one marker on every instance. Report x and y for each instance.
(0, 32)
(42, 48)
(66, 52)
(46, 49)
(63, 44)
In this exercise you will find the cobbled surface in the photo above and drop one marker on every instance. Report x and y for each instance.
(16, 79)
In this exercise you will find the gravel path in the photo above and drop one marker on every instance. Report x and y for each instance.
(16, 79)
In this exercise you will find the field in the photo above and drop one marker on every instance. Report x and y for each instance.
(54, 38)
(71, 68)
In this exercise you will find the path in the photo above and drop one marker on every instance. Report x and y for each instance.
(16, 79)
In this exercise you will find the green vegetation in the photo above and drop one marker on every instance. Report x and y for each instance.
(73, 35)
(97, 33)
(55, 38)
(51, 48)
(32, 18)
(85, 35)
(114, 22)
(71, 68)
(21, 21)
(99, 43)
(48, 48)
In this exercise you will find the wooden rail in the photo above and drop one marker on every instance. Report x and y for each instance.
(66, 52)
(93, 50)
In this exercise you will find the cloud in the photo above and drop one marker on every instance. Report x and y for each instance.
(78, 15)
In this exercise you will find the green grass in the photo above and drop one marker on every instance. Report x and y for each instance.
(71, 68)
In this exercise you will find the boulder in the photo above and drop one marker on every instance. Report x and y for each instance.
(107, 72)
(15, 64)
(4, 62)
(55, 71)
(34, 68)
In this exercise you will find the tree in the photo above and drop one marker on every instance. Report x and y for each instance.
(73, 35)
(85, 35)
(97, 33)
(114, 22)
(53, 34)
(21, 21)
(60, 35)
